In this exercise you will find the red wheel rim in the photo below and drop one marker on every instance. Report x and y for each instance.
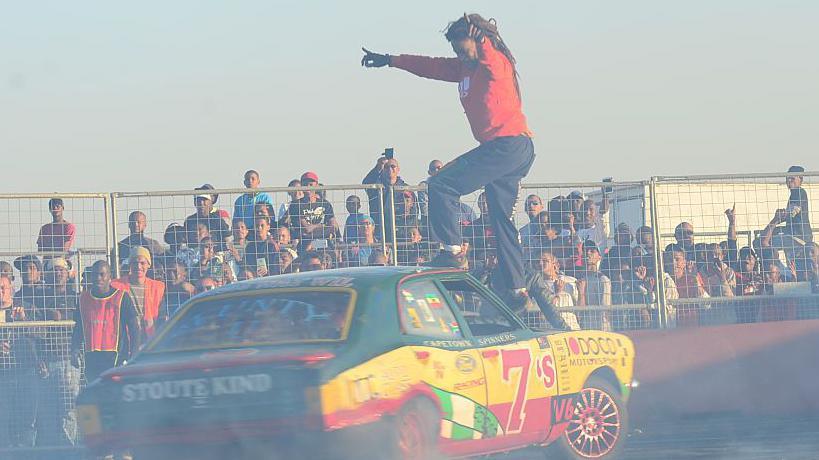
(595, 428)
(411, 440)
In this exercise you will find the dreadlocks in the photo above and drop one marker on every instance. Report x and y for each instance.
(459, 30)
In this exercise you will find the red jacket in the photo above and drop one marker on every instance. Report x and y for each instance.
(488, 92)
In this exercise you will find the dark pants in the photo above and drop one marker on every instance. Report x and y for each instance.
(97, 362)
(498, 165)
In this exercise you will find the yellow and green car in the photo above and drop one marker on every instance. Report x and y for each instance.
(398, 363)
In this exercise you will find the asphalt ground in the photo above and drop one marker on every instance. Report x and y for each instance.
(716, 437)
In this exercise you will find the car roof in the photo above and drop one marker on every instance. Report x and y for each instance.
(356, 278)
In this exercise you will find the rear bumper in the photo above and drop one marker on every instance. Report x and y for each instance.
(196, 434)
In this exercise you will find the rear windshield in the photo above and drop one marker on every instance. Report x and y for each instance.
(262, 319)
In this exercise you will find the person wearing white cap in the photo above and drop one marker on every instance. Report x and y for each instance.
(205, 214)
(56, 423)
(59, 300)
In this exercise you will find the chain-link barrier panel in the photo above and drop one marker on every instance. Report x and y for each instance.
(38, 384)
(589, 247)
(414, 238)
(584, 245)
(202, 239)
(728, 237)
(46, 241)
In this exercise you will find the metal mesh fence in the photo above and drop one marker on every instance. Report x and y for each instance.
(39, 385)
(414, 239)
(579, 246)
(729, 237)
(203, 239)
(588, 247)
(45, 243)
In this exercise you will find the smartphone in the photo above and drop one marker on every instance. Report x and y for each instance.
(608, 189)
(389, 153)
(320, 244)
(261, 263)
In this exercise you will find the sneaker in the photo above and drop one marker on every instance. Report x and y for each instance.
(450, 260)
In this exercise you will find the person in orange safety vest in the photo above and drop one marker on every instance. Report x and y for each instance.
(147, 295)
(104, 324)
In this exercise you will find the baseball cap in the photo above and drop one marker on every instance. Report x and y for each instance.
(309, 175)
(577, 194)
(366, 218)
(26, 259)
(207, 196)
(796, 169)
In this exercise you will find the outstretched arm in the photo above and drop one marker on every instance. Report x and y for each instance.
(767, 233)
(435, 68)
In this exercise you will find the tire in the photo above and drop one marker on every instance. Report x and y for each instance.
(599, 426)
(413, 432)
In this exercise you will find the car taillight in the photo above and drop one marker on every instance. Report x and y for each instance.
(314, 358)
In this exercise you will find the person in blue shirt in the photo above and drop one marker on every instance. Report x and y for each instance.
(244, 206)
(353, 205)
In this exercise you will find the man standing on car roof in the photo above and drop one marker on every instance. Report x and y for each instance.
(488, 85)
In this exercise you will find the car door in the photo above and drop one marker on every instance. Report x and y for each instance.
(450, 366)
(519, 366)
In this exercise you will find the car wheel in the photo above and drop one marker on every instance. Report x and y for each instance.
(599, 426)
(414, 431)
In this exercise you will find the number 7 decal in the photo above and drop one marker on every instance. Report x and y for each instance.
(517, 359)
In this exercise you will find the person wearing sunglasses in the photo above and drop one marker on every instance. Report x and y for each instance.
(387, 172)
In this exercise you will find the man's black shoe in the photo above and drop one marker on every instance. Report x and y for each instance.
(450, 260)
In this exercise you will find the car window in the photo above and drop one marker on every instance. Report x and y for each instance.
(299, 316)
(424, 311)
(481, 314)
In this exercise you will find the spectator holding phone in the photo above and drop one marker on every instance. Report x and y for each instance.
(387, 173)
(260, 252)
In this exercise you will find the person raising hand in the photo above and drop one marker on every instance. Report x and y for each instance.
(484, 69)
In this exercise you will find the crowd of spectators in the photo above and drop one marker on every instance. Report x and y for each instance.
(573, 262)
(568, 247)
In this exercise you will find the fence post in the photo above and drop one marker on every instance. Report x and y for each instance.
(381, 220)
(78, 279)
(393, 234)
(114, 245)
(109, 236)
(658, 255)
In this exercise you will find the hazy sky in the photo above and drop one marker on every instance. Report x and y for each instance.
(167, 95)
